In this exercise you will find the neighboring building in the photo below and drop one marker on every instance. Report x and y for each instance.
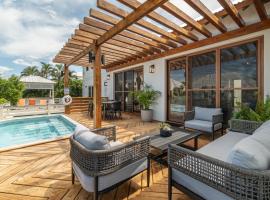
(88, 82)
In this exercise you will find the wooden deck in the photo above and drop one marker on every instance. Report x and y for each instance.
(43, 171)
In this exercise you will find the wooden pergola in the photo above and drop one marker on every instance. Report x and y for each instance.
(126, 38)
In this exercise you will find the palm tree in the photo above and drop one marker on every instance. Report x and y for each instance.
(46, 70)
(30, 70)
(57, 74)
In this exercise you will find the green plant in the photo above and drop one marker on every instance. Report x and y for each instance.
(146, 97)
(165, 126)
(11, 89)
(260, 114)
(3, 101)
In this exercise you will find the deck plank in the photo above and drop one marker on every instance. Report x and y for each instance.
(42, 171)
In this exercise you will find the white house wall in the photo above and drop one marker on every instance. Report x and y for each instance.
(158, 79)
(88, 81)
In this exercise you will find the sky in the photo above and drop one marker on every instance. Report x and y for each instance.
(33, 31)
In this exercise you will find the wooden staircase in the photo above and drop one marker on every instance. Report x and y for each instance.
(79, 104)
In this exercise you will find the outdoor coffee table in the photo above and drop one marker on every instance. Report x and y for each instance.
(159, 145)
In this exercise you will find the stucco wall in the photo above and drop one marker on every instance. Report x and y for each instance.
(88, 81)
(158, 79)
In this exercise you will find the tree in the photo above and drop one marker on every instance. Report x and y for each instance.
(46, 70)
(30, 70)
(11, 89)
(75, 87)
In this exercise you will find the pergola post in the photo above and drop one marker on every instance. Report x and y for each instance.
(97, 88)
(66, 84)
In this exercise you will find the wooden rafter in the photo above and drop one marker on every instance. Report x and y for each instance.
(175, 11)
(133, 32)
(98, 28)
(259, 5)
(232, 11)
(162, 20)
(102, 4)
(137, 14)
(219, 38)
(204, 11)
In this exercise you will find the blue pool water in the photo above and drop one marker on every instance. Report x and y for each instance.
(29, 130)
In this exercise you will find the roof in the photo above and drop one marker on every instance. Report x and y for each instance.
(35, 79)
(143, 32)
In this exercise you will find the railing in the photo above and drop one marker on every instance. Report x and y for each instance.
(16, 111)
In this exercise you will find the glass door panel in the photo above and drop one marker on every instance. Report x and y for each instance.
(176, 90)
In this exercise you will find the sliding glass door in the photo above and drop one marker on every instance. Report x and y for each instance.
(239, 77)
(202, 80)
(225, 77)
(176, 90)
(126, 82)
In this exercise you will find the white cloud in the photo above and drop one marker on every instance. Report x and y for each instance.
(34, 31)
(3, 70)
(24, 62)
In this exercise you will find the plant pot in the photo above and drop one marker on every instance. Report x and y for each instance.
(147, 115)
(165, 133)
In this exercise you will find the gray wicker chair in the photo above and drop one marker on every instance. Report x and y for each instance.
(227, 180)
(211, 125)
(102, 170)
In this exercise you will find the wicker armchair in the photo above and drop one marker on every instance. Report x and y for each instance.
(211, 124)
(102, 170)
(227, 180)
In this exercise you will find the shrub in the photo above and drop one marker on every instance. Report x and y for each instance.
(260, 114)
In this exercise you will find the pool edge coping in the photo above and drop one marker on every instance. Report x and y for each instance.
(21, 146)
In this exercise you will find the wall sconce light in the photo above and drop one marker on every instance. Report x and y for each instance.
(152, 69)
(108, 77)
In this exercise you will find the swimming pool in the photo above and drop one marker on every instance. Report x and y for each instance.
(33, 129)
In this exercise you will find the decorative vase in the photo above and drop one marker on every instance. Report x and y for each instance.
(165, 133)
(147, 115)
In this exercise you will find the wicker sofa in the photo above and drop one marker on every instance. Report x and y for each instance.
(207, 120)
(207, 174)
(102, 170)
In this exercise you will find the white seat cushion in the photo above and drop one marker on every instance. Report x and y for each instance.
(221, 147)
(92, 141)
(205, 126)
(115, 144)
(206, 114)
(250, 154)
(198, 187)
(262, 135)
(109, 180)
(80, 128)
(218, 149)
(263, 126)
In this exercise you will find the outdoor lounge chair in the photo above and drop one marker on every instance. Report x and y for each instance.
(102, 170)
(207, 120)
(235, 166)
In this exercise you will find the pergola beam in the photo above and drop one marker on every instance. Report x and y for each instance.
(175, 11)
(232, 11)
(259, 5)
(162, 20)
(133, 32)
(204, 11)
(102, 4)
(137, 14)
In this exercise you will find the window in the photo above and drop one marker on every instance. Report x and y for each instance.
(239, 82)
(202, 79)
(87, 68)
(124, 83)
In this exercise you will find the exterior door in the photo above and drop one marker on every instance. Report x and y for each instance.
(176, 90)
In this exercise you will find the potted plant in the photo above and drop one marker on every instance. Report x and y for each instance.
(146, 97)
(165, 130)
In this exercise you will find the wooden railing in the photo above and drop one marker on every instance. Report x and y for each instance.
(79, 104)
